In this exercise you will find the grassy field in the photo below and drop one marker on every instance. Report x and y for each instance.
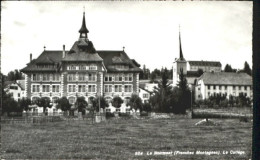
(121, 139)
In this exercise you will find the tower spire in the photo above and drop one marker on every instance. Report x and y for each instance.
(83, 30)
(181, 54)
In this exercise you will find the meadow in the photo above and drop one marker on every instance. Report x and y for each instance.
(127, 139)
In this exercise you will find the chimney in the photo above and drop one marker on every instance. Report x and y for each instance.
(30, 57)
(63, 52)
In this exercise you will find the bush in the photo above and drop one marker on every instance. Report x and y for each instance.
(143, 113)
(109, 115)
(124, 114)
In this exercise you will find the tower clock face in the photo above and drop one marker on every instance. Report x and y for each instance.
(83, 34)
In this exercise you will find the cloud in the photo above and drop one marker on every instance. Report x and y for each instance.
(19, 23)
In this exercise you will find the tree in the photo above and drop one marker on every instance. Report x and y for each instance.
(63, 104)
(162, 94)
(152, 77)
(135, 102)
(44, 102)
(81, 104)
(184, 95)
(24, 103)
(200, 72)
(247, 69)
(14, 75)
(117, 101)
(228, 68)
(100, 100)
(147, 107)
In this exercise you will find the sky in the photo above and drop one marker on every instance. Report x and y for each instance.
(149, 31)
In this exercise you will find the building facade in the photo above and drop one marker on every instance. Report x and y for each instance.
(224, 83)
(81, 71)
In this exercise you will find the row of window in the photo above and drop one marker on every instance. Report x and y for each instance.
(118, 88)
(222, 94)
(119, 78)
(46, 88)
(82, 67)
(45, 66)
(45, 77)
(82, 88)
(92, 77)
(225, 87)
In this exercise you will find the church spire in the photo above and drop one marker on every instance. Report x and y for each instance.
(181, 54)
(83, 30)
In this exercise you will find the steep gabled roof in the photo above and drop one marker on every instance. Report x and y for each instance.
(82, 51)
(111, 58)
(47, 57)
(225, 78)
(205, 63)
(105, 56)
(21, 83)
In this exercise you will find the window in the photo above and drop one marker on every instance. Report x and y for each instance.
(225, 87)
(128, 88)
(18, 94)
(71, 77)
(54, 99)
(82, 77)
(208, 93)
(72, 67)
(214, 87)
(118, 88)
(55, 77)
(108, 110)
(118, 110)
(92, 77)
(145, 95)
(92, 67)
(245, 87)
(91, 88)
(55, 88)
(208, 86)
(245, 94)
(108, 78)
(82, 67)
(45, 88)
(220, 87)
(128, 77)
(34, 77)
(234, 87)
(72, 88)
(108, 88)
(45, 77)
(239, 87)
(35, 88)
(198, 89)
(118, 78)
(72, 100)
(81, 88)
(13, 87)
(198, 96)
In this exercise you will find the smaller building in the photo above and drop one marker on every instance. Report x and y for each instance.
(224, 83)
(16, 89)
(144, 94)
(205, 66)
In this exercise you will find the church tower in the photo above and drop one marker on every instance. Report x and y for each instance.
(178, 65)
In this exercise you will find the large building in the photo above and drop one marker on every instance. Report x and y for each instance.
(224, 83)
(191, 69)
(81, 71)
